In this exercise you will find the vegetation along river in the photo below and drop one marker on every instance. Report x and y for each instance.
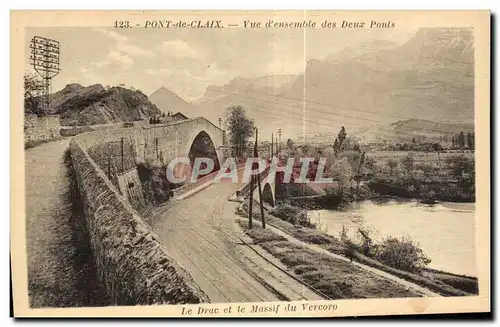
(445, 231)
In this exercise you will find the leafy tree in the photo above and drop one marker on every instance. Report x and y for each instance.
(392, 163)
(460, 164)
(470, 140)
(461, 140)
(338, 145)
(33, 90)
(437, 148)
(408, 163)
(341, 171)
(365, 240)
(370, 163)
(240, 127)
(402, 253)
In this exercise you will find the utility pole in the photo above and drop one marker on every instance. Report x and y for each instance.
(276, 146)
(44, 56)
(279, 133)
(256, 155)
(109, 162)
(122, 152)
(272, 146)
(250, 206)
(304, 197)
(156, 146)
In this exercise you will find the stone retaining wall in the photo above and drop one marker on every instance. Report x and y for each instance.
(132, 264)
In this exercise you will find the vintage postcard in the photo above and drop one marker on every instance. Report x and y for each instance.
(250, 163)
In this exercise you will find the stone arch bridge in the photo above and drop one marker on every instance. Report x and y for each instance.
(164, 142)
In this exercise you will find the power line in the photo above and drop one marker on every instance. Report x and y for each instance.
(321, 104)
(316, 122)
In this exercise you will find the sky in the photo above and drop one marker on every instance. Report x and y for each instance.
(187, 61)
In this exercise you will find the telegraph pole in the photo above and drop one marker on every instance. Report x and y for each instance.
(256, 155)
(250, 207)
(44, 56)
(272, 146)
(279, 133)
(123, 162)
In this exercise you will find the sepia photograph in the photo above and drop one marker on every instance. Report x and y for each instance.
(250, 163)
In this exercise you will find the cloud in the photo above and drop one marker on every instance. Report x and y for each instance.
(90, 77)
(180, 49)
(120, 58)
(134, 50)
(125, 44)
(111, 34)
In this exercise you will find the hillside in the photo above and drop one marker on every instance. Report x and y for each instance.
(167, 100)
(78, 105)
(248, 92)
(429, 77)
(405, 130)
(425, 126)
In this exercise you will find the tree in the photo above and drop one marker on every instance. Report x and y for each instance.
(392, 163)
(408, 163)
(33, 90)
(402, 253)
(240, 127)
(341, 171)
(437, 148)
(289, 144)
(461, 140)
(460, 165)
(470, 140)
(338, 145)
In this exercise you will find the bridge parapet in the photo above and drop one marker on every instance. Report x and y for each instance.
(132, 264)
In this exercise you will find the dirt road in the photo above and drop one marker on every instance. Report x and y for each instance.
(201, 234)
(53, 278)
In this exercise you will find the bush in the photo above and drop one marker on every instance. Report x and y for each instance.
(365, 240)
(402, 253)
(292, 214)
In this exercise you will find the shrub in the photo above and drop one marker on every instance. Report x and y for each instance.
(292, 214)
(402, 253)
(365, 240)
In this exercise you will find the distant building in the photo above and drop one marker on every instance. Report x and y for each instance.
(168, 118)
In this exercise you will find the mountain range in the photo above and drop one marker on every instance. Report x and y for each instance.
(369, 88)
(429, 77)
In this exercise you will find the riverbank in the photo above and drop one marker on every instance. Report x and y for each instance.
(443, 283)
(337, 279)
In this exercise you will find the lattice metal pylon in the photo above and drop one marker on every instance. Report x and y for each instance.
(44, 57)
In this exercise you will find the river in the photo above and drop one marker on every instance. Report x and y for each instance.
(445, 231)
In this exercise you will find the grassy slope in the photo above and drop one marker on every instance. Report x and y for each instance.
(335, 278)
(440, 282)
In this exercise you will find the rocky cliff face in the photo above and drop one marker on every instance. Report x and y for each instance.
(78, 105)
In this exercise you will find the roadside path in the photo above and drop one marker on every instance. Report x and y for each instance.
(51, 248)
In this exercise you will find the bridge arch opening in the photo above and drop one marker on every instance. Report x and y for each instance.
(203, 147)
(268, 195)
